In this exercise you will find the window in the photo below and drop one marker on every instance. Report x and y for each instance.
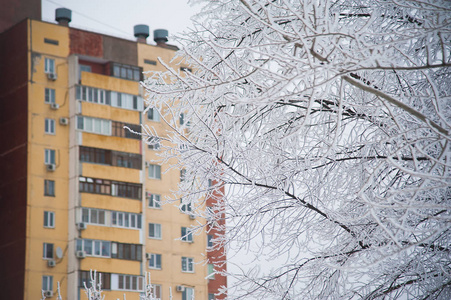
(110, 157)
(185, 69)
(153, 115)
(49, 156)
(211, 296)
(49, 219)
(90, 94)
(94, 247)
(126, 251)
(182, 175)
(49, 96)
(185, 207)
(126, 101)
(154, 143)
(120, 130)
(150, 62)
(156, 291)
(108, 187)
(93, 216)
(47, 283)
(49, 188)
(50, 41)
(155, 171)
(211, 271)
(94, 185)
(187, 264)
(209, 241)
(187, 235)
(155, 231)
(49, 66)
(130, 282)
(182, 119)
(154, 200)
(155, 261)
(85, 278)
(188, 294)
(126, 71)
(47, 252)
(49, 126)
(126, 220)
(126, 190)
(94, 125)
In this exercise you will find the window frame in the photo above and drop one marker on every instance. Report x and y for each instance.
(186, 235)
(157, 261)
(49, 188)
(49, 126)
(126, 218)
(187, 264)
(49, 156)
(49, 95)
(49, 219)
(154, 289)
(123, 278)
(48, 251)
(49, 283)
(153, 115)
(89, 216)
(154, 171)
(81, 245)
(158, 236)
(186, 295)
(49, 66)
(152, 202)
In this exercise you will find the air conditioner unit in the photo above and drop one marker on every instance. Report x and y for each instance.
(180, 288)
(51, 167)
(148, 255)
(64, 121)
(54, 106)
(51, 263)
(81, 226)
(81, 254)
(48, 294)
(192, 217)
(51, 76)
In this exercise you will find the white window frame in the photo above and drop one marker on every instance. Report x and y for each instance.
(49, 66)
(105, 125)
(49, 127)
(156, 291)
(49, 219)
(186, 235)
(188, 294)
(187, 264)
(81, 244)
(153, 261)
(154, 171)
(49, 96)
(210, 271)
(125, 220)
(49, 156)
(90, 215)
(157, 231)
(185, 207)
(129, 279)
(154, 201)
(45, 249)
(47, 283)
(153, 115)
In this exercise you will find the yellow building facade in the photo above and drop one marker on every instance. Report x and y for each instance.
(89, 191)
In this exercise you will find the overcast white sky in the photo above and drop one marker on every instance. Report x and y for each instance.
(117, 17)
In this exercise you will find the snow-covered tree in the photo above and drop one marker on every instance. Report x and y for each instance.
(327, 122)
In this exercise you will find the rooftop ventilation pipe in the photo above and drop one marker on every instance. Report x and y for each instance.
(160, 36)
(63, 16)
(141, 33)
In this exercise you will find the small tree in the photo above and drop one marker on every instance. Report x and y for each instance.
(328, 123)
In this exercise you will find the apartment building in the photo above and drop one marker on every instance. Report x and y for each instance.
(78, 191)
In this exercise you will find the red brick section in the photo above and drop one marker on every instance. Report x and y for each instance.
(85, 43)
(96, 67)
(217, 257)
